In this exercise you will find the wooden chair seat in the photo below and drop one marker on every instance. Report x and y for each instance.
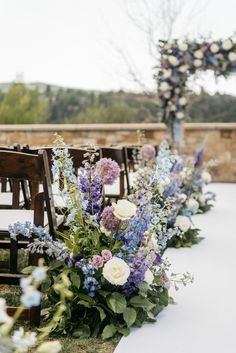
(6, 199)
(12, 216)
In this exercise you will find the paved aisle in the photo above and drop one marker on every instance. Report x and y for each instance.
(204, 320)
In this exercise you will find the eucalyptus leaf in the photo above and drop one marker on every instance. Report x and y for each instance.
(75, 279)
(109, 331)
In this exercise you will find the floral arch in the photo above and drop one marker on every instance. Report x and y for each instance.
(178, 61)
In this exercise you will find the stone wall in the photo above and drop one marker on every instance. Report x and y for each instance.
(219, 139)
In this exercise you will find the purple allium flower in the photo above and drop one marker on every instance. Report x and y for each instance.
(108, 170)
(198, 157)
(148, 152)
(108, 220)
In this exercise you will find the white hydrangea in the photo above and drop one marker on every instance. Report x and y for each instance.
(116, 271)
(30, 297)
(183, 223)
(39, 274)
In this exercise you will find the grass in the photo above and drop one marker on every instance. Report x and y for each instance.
(69, 344)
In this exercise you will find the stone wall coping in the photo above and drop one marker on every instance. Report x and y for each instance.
(111, 127)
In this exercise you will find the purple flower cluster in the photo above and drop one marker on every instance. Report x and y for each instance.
(108, 220)
(138, 268)
(108, 170)
(90, 186)
(148, 152)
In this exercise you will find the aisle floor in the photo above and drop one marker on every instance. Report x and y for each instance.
(204, 318)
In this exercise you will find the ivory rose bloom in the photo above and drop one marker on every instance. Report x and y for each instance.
(180, 115)
(148, 277)
(183, 46)
(124, 209)
(173, 60)
(183, 223)
(202, 199)
(214, 48)
(227, 44)
(116, 271)
(192, 204)
(182, 101)
(206, 177)
(197, 63)
(198, 54)
(164, 86)
(232, 57)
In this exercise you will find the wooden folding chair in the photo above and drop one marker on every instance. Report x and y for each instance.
(21, 166)
(119, 155)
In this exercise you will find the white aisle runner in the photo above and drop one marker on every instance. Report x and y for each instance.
(204, 319)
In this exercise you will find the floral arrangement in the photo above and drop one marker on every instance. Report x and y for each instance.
(176, 184)
(112, 254)
(19, 340)
(179, 60)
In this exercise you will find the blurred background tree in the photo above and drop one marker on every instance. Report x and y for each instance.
(20, 105)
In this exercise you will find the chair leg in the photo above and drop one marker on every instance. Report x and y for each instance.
(13, 256)
(34, 316)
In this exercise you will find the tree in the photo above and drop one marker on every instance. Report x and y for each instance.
(21, 105)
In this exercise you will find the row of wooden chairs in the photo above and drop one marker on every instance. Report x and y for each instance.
(25, 174)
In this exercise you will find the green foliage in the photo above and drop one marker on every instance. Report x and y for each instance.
(185, 240)
(109, 313)
(36, 103)
(21, 105)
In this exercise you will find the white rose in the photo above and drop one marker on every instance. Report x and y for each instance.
(183, 46)
(206, 177)
(148, 277)
(227, 44)
(49, 347)
(214, 48)
(167, 73)
(197, 63)
(198, 54)
(116, 271)
(183, 197)
(232, 57)
(164, 86)
(183, 68)
(167, 95)
(182, 101)
(124, 209)
(180, 115)
(202, 199)
(172, 107)
(183, 223)
(173, 60)
(192, 204)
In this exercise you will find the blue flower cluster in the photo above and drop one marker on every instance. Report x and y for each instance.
(90, 283)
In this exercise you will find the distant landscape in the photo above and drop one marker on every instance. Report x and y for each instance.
(44, 103)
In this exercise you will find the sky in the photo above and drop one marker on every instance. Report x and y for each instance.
(82, 43)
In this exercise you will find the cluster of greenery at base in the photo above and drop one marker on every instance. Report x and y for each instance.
(186, 240)
(41, 103)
